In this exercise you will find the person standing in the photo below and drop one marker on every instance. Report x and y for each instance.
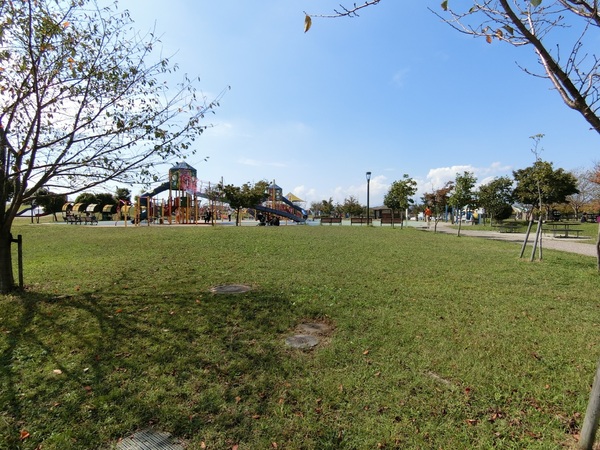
(427, 216)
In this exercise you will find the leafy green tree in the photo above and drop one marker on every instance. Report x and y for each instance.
(123, 195)
(325, 207)
(438, 200)
(52, 203)
(569, 61)
(83, 101)
(245, 196)
(540, 185)
(496, 196)
(105, 198)
(398, 197)
(463, 194)
(351, 206)
(86, 198)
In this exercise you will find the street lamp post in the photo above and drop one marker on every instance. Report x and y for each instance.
(368, 183)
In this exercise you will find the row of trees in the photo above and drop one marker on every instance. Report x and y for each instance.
(539, 184)
(568, 62)
(539, 188)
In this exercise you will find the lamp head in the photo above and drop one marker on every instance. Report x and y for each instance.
(368, 176)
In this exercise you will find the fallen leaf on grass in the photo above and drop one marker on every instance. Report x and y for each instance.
(24, 434)
(57, 371)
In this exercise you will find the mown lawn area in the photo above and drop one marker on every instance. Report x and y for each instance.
(437, 341)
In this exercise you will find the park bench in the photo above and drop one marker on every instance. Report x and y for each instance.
(72, 219)
(388, 220)
(90, 219)
(331, 220)
(507, 227)
(359, 220)
(562, 229)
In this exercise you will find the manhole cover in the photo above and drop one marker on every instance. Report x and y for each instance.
(302, 341)
(230, 289)
(149, 440)
(314, 328)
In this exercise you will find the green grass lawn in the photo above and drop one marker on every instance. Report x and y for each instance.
(437, 342)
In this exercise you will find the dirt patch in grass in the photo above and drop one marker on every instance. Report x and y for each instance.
(310, 334)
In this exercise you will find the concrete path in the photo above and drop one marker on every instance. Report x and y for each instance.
(581, 246)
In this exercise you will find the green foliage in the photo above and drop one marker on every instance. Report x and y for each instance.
(325, 207)
(52, 203)
(463, 194)
(123, 194)
(495, 196)
(420, 357)
(245, 196)
(541, 183)
(502, 212)
(439, 198)
(86, 198)
(398, 198)
(105, 198)
(83, 101)
(351, 206)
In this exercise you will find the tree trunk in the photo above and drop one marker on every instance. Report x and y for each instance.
(7, 281)
(592, 415)
(598, 248)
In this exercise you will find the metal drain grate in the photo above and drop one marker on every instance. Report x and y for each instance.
(302, 341)
(230, 289)
(150, 440)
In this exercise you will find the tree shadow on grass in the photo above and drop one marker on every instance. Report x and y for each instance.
(80, 371)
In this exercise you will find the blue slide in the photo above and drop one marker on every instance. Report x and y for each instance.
(163, 187)
(296, 207)
(278, 212)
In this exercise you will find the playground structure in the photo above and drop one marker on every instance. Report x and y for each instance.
(186, 193)
(184, 204)
(278, 205)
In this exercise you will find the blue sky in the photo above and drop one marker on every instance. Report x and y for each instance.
(393, 91)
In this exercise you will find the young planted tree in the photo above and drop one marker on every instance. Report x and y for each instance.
(438, 201)
(496, 197)
(542, 186)
(563, 36)
(463, 194)
(82, 102)
(351, 207)
(398, 198)
(245, 196)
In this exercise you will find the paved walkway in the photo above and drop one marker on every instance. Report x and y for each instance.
(581, 246)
